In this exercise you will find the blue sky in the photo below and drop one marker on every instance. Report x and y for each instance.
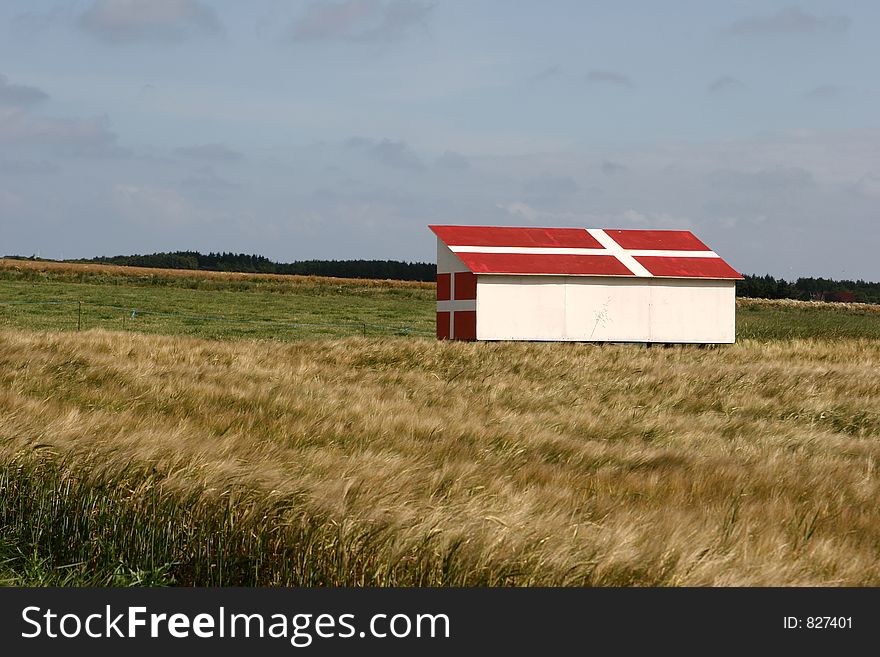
(340, 129)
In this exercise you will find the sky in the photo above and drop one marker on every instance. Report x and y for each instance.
(341, 129)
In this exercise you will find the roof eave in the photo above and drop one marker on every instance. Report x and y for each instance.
(631, 277)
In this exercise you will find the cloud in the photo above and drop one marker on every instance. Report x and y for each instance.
(206, 179)
(19, 125)
(824, 92)
(358, 142)
(724, 83)
(381, 221)
(359, 20)
(35, 20)
(548, 73)
(868, 185)
(10, 202)
(610, 168)
(28, 167)
(154, 206)
(394, 154)
(121, 21)
(453, 160)
(214, 151)
(525, 213)
(84, 137)
(791, 20)
(636, 218)
(522, 210)
(547, 186)
(20, 95)
(609, 77)
(628, 218)
(774, 179)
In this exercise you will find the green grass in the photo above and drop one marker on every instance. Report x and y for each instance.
(252, 309)
(279, 309)
(787, 320)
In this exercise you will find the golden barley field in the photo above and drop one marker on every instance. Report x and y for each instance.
(160, 459)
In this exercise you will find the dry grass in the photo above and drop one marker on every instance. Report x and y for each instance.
(744, 303)
(59, 270)
(416, 462)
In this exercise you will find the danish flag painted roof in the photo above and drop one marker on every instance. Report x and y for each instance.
(584, 252)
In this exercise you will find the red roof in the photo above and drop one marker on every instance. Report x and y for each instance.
(584, 252)
(512, 236)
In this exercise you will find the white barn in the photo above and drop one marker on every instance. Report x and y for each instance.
(582, 284)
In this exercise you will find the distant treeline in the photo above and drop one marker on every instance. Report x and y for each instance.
(241, 262)
(763, 287)
(821, 289)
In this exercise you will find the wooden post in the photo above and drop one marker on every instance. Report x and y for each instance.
(79, 313)
(365, 329)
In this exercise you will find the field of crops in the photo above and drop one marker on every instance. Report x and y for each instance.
(184, 451)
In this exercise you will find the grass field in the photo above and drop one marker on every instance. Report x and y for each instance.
(158, 456)
(47, 296)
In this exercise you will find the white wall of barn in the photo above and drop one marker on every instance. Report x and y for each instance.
(605, 309)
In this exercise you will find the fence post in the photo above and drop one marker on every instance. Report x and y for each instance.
(79, 312)
(365, 329)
